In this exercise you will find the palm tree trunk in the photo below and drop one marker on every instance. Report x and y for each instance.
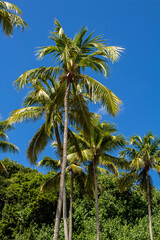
(71, 207)
(65, 214)
(149, 206)
(64, 190)
(96, 195)
(62, 179)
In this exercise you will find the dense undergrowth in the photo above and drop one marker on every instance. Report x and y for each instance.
(27, 214)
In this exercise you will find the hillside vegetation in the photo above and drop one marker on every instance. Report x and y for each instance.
(28, 214)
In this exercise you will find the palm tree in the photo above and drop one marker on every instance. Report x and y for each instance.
(9, 18)
(5, 146)
(73, 58)
(95, 150)
(144, 155)
(75, 169)
(46, 99)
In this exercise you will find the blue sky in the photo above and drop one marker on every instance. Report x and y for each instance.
(132, 24)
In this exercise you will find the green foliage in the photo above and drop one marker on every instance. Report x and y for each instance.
(10, 18)
(27, 214)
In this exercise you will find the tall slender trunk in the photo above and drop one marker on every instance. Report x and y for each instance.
(62, 179)
(64, 190)
(96, 195)
(71, 207)
(149, 206)
(65, 214)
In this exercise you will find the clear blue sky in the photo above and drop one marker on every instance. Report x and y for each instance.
(132, 24)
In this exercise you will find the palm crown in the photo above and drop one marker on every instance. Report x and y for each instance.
(99, 143)
(144, 155)
(46, 99)
(72, 58)
(9, 17)
(95, 148)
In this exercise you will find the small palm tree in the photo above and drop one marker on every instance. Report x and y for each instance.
(95, 148)
(9, 17)
(73, 58)
(75, 170)
(144, 155)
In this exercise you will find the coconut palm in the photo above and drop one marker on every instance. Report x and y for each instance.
(73, 57)
(96, 147)
(46, 100)
(144, 155)
(10, 18)
(73, 167)
(5, 146)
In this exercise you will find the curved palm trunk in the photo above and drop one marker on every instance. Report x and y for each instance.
(96, 195)
(64, 190)
(149, 206)
(62, 179)
(71, 207)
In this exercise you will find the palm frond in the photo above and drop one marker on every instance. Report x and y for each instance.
(9, 18)
(113, 52)
(10, 6)
(126, 181)
(26, 114)
(110, 166)
(51, 184)
(33, 74)
(3, 136)
(102, 170)
(37, 144)
(104, 95)
(75, 169)
(50, 163)
(8, 147)
(78, 38)
(3, 168)
(43, 51)
(119, 162)
(79, 113)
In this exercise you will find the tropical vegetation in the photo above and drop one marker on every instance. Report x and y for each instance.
(95, 147)
(72, 58)
(95, 166)
(144, 155)
(27, 213)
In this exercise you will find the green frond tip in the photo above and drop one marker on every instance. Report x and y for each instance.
(113, 52)
(58, 27)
